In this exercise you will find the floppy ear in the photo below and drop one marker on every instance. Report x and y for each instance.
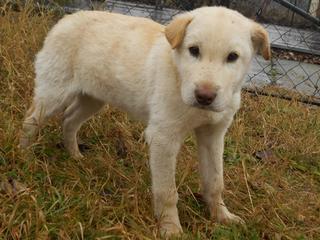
(176, 30)
(260, 40)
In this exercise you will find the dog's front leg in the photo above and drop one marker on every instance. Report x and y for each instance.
(210, 146)
(164, 147)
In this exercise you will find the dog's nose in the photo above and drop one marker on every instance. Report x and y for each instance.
(205, 96)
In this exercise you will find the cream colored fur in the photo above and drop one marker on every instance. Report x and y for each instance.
(93, 58)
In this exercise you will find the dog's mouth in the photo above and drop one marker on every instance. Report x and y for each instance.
(210, 107)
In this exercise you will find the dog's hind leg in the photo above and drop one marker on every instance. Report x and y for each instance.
(75, 115)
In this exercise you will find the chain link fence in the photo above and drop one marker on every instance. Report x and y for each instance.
(293, 25)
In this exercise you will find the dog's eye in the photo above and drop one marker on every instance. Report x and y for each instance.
(194, 51)
(232, 57)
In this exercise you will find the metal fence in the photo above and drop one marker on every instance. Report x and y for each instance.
(294, 28)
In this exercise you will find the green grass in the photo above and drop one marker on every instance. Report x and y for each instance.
(45, 194)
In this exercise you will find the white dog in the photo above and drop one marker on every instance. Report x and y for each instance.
(176, 78)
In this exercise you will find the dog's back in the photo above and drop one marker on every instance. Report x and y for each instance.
(90, 51)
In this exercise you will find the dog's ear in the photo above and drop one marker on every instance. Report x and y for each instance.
(260, 40)
(176, 29)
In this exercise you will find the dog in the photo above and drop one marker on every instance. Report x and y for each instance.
(185, 76)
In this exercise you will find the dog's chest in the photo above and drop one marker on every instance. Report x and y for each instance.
(194, 118)
(203, 117)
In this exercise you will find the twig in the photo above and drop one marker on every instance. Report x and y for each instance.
(247, 185)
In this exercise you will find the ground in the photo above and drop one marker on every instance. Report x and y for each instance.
(272, 165)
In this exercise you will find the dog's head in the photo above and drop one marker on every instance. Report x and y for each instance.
(212, 50)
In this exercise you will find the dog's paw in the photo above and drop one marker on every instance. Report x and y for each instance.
(74, 151)
(222, 215)
(170, 229)
(230, 218)
(77, 155)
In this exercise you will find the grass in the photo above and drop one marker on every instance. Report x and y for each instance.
(45, 194)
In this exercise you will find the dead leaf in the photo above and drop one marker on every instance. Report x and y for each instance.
(266, 155)
(10, 186)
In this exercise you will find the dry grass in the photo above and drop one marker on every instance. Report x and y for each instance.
(47, 195)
